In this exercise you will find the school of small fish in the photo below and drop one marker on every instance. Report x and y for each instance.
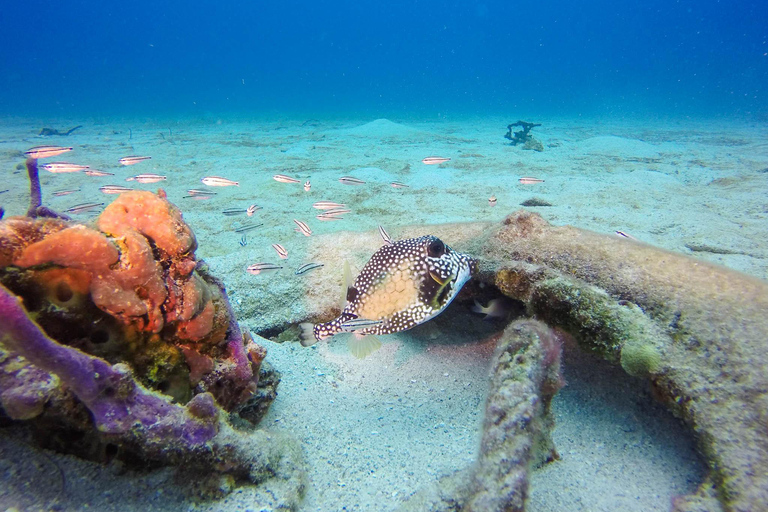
(405, 283)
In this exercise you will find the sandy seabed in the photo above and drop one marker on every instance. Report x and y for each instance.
(376, 430)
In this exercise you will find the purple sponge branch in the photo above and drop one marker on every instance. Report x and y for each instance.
(36, 208)
(119, 405)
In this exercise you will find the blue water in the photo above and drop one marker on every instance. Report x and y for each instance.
(420, 58)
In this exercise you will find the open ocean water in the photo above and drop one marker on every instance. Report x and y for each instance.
(654, 123)
(421, 59)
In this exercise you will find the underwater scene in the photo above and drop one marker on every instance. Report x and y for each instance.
(394, 256)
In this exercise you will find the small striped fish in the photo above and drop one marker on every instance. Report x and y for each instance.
(247, 227)
(349, 180)
(434, 160)
(530, 181)
(307, 267)
(46, 151)
(282, 178)
(60, 193)
(385, 236)
(218, 181)
(133, 160)
(280, 251)
(397, 184)
(97, 173)
(326, 217)
(84, 207)
(146, 178)
(262, 268)
(303, 228)
(625, 235)
(327, 205)
(198, 192)
(60, 167)
(359, 324)
(336, 211)
(307, 186)
(114, 189)
(252, 209)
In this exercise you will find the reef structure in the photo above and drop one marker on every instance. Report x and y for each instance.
(695, 330)
(115, 334)
(130, 290)
(525, 376)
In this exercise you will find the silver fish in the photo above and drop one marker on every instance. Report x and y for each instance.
(46, 151)
(84, 207)
(132, 160)
(625, 235)
(97, 173)
(528, 180)
(397, 184)
(252, 209)
(358, 324)
(327, 205)
(218, 181)
(247, 227)
(307, 267)
(60, 167)
(385, 236)
(114, 189)
(403, 285)
(303, 228)
(282, 178)
(336, 211)
(60, 193)
(435, 160)
(280, 251)
(198, 192)
(147, 178)
(262, 268)
(349, 180)
(326, 217)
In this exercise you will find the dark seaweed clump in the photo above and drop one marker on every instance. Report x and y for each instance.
(535, 201)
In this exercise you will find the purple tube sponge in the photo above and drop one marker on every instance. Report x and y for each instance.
(120, 407)
(36, 208)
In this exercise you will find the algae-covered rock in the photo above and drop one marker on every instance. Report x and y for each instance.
(697, 330)
(525, 375)
(640, 359)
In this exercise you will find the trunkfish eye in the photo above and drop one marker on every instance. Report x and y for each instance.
(436, 248)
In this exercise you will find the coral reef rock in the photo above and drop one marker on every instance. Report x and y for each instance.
(525, 375)
(128, 291)
(696, 330)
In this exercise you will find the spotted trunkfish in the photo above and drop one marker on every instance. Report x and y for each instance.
(404, 284)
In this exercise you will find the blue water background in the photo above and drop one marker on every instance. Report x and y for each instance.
(392, 58)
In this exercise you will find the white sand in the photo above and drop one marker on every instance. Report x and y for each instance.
(375, 431)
